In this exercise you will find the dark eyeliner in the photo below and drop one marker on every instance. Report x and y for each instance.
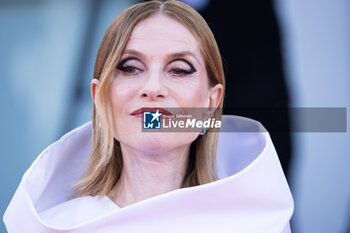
(120, 65)
(192, 69)
(186, 71)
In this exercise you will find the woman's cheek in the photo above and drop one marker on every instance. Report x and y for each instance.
(192, 97)
(120, 93)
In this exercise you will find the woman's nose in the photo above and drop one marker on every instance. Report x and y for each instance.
(154, 87)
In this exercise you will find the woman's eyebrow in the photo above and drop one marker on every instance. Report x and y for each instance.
(135, 53)
(183, 54)
(171, 56)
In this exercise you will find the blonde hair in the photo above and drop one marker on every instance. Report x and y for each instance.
(105, 162)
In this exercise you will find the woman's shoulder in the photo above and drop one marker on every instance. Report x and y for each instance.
(78, 210)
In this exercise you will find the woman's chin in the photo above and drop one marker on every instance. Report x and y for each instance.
(158, 142)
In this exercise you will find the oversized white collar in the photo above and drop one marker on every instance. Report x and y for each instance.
(251, 196)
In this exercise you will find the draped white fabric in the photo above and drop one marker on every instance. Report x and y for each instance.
(252, 194)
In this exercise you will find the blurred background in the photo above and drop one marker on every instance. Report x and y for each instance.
(282, 53)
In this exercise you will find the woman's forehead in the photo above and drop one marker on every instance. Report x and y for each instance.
(160, 34)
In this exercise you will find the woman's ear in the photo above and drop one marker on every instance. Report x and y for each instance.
(95, 84)
(216, 94)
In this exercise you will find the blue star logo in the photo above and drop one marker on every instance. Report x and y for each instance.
(152, 120)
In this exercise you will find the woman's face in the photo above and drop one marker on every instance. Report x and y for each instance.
(161, 66)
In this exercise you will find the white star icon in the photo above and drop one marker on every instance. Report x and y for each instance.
(155, 115)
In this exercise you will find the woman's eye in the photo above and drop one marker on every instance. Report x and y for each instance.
(178, 71)
(130, 66)
(181, 72)
(129, 69)
(181, 67)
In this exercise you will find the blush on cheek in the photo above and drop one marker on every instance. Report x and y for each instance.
(195, 98)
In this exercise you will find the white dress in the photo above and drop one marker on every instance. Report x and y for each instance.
(78, 210)
(251, 196)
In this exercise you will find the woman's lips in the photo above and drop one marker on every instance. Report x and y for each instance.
(139, 112)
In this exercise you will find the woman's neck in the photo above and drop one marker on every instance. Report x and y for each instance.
(146, 175)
